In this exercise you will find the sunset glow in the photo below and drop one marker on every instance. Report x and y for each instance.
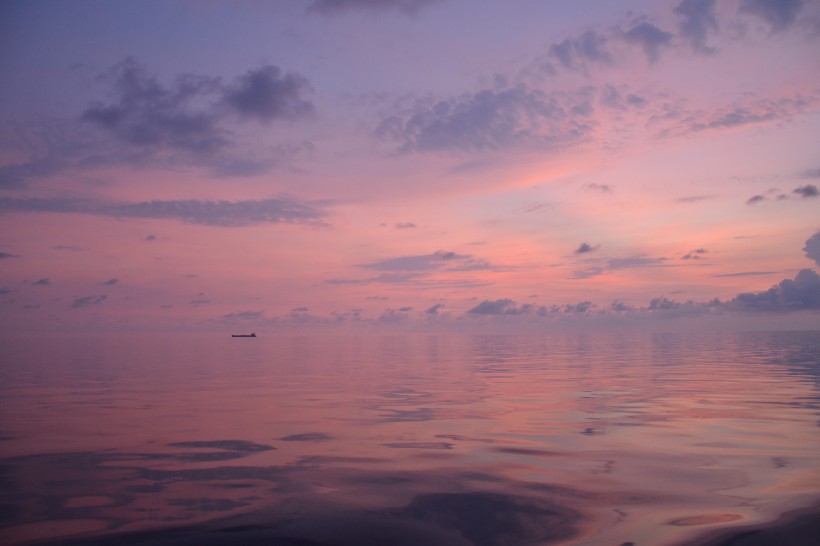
(409, 163)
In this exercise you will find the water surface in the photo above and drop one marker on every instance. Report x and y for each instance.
(405, 439)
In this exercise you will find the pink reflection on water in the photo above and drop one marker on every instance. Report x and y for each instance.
(649, 439)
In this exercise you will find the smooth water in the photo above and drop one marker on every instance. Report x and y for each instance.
(405, 439)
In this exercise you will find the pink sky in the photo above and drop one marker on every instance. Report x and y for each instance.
(421, 163)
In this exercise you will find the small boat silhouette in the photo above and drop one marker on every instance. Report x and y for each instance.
(244, 335)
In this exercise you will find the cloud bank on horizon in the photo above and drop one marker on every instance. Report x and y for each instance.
(346, 161)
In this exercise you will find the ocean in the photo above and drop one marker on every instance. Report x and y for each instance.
(451, 439)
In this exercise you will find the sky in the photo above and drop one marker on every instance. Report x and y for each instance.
(433, 164)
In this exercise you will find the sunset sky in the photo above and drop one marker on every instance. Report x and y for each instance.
(193, 165)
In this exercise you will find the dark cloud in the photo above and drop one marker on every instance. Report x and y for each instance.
(811, 173)
(577, 52)
(189, 121)
(578, 308)
(87, 301)
(809, 190)
(620, 307)
(585, 248)
(694, 254)
(495, 307)
(5, 255)
(803, 292)
(14, 177)
(405, 225)
(779, 14)
(266, 94)
(698, 20)
(649, 38)
(662, 304)
(111, 282)
(335, 7)
(434, 309)
(145, 113)
(42, 282)
(508, 307)
(150, 237)
(492, 119)
(812, 248)
(192, 211)
(755, 199)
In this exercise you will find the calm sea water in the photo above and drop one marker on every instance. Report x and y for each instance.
(411, 439)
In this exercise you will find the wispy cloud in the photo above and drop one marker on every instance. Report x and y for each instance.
(192, 211)
(336, 7)
(87, 301)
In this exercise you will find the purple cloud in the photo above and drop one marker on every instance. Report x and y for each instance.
(698, 20)
(649, 38)
(193, 211)
(812, 248)
(779, 14)
(335, 7)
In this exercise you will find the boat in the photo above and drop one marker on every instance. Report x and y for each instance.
(244, 335)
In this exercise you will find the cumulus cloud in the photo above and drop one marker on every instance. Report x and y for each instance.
(266, 94)
(495, 307)
(812, 248)
(146, 113)
(698, 20)
(809, 190)
(649, 38)
(779, 14)
(753, 200)
(86, 301)
(492, 119)
(800, 293)
(335, 7)
(192, 211)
